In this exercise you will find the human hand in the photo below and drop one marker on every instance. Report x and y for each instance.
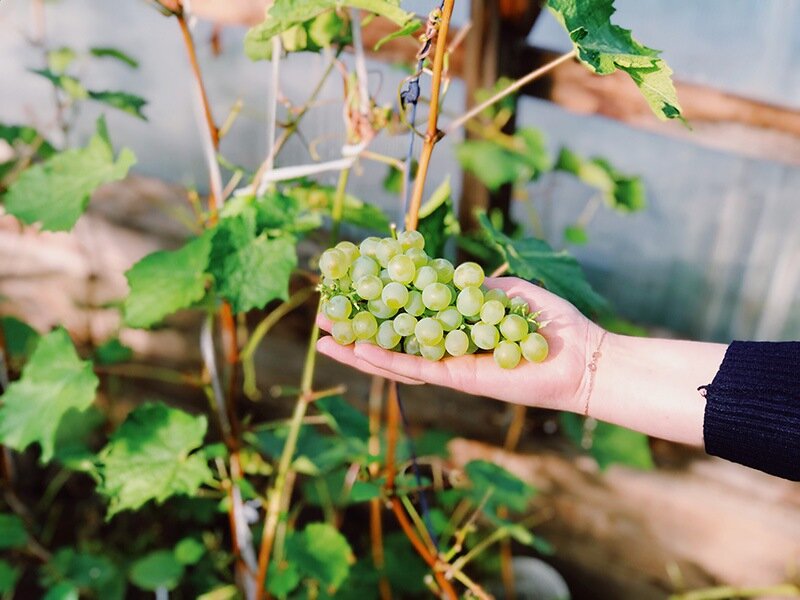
(560, 382)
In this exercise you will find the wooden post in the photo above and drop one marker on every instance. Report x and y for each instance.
(495, 47)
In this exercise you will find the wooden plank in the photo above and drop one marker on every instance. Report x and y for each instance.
(719, 120)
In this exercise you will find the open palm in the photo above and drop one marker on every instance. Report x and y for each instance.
(557, 383)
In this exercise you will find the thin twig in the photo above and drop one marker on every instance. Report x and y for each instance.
(510, 89)
(433, 133)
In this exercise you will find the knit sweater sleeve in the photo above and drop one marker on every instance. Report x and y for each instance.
(752, 413)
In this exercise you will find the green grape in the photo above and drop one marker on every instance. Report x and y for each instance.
(369, 287)
(350, 250)
(387, 337)
(404, 324)
(485, 336)
(345, 283)
(468, 274)
(507, 355)
(450, 318)
(433, 351)
(496, 294)
(456, 343)
(380, 310)
(429, 331)
(387, 248)
(411, 239)
(365, 325)
(342, 332)
(394, 295)
(514, 328)
(385, 277)
(363, 266)
(333, 263)
(369, 246)
(411, 345)
(534, 347)
(436, 296)
(401, 269)
(330, 282)
(492, 312)
(418, 256)
(444, 269)
(338, 308)
(469, 301)
(518, 304)
(425, 276)
(414, 305)
(472, 348)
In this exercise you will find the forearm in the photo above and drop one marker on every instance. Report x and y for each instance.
(650, 385)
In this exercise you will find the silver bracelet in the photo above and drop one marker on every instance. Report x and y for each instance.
(592, 367)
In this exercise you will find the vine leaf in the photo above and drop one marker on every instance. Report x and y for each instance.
(609, 444)
(12, 532)
(437, 221)
(250, 270)
(621, 192)
(159, 569)
(501, 487)
(286, 14)
(150, 457)
(604, 48)
(84, 570)
(116, 54)
(124, 101)
(321, 553)
(56, 192)
(520, 160)
(534, 259)
(166, 281)
(8, 577)
(54, 382)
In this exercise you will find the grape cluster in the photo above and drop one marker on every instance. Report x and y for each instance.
(389, 292)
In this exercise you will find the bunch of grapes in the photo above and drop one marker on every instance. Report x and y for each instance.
(390, 292)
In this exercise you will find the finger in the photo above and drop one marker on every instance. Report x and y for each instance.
(345, 355)
(458, 373)
(324, 322)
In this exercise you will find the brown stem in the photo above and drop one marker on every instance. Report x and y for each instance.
(190, 50)
(392, 434)
(433, 134)
(375, 522)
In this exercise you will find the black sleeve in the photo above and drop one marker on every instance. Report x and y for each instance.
(752, 413)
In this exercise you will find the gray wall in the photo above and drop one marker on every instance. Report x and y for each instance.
(717, 254)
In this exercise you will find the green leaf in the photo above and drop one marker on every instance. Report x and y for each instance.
(408, 29)
(437, 221)
(405, 570)
(609, 444)
(9, 575)
(62, 591)
(12, 532)
(504, 488)
(86, 571)
(623, 193)
(59, 59)
(159, 569)
(319, 198)
(250, 271)
(150, 457)
(29, 136)
(71, 86)
(189, 551)
(495, 164)
(53, 382)
(56, 192)
(282, 578)
(166, 281)
(112, 352)
(321, 553)
(604, 48)
(101, 52)
(575, 234)
(286, 14)
(73, 437)
(20, 338)
(533, 259)
(349, 422)
(124, 101)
